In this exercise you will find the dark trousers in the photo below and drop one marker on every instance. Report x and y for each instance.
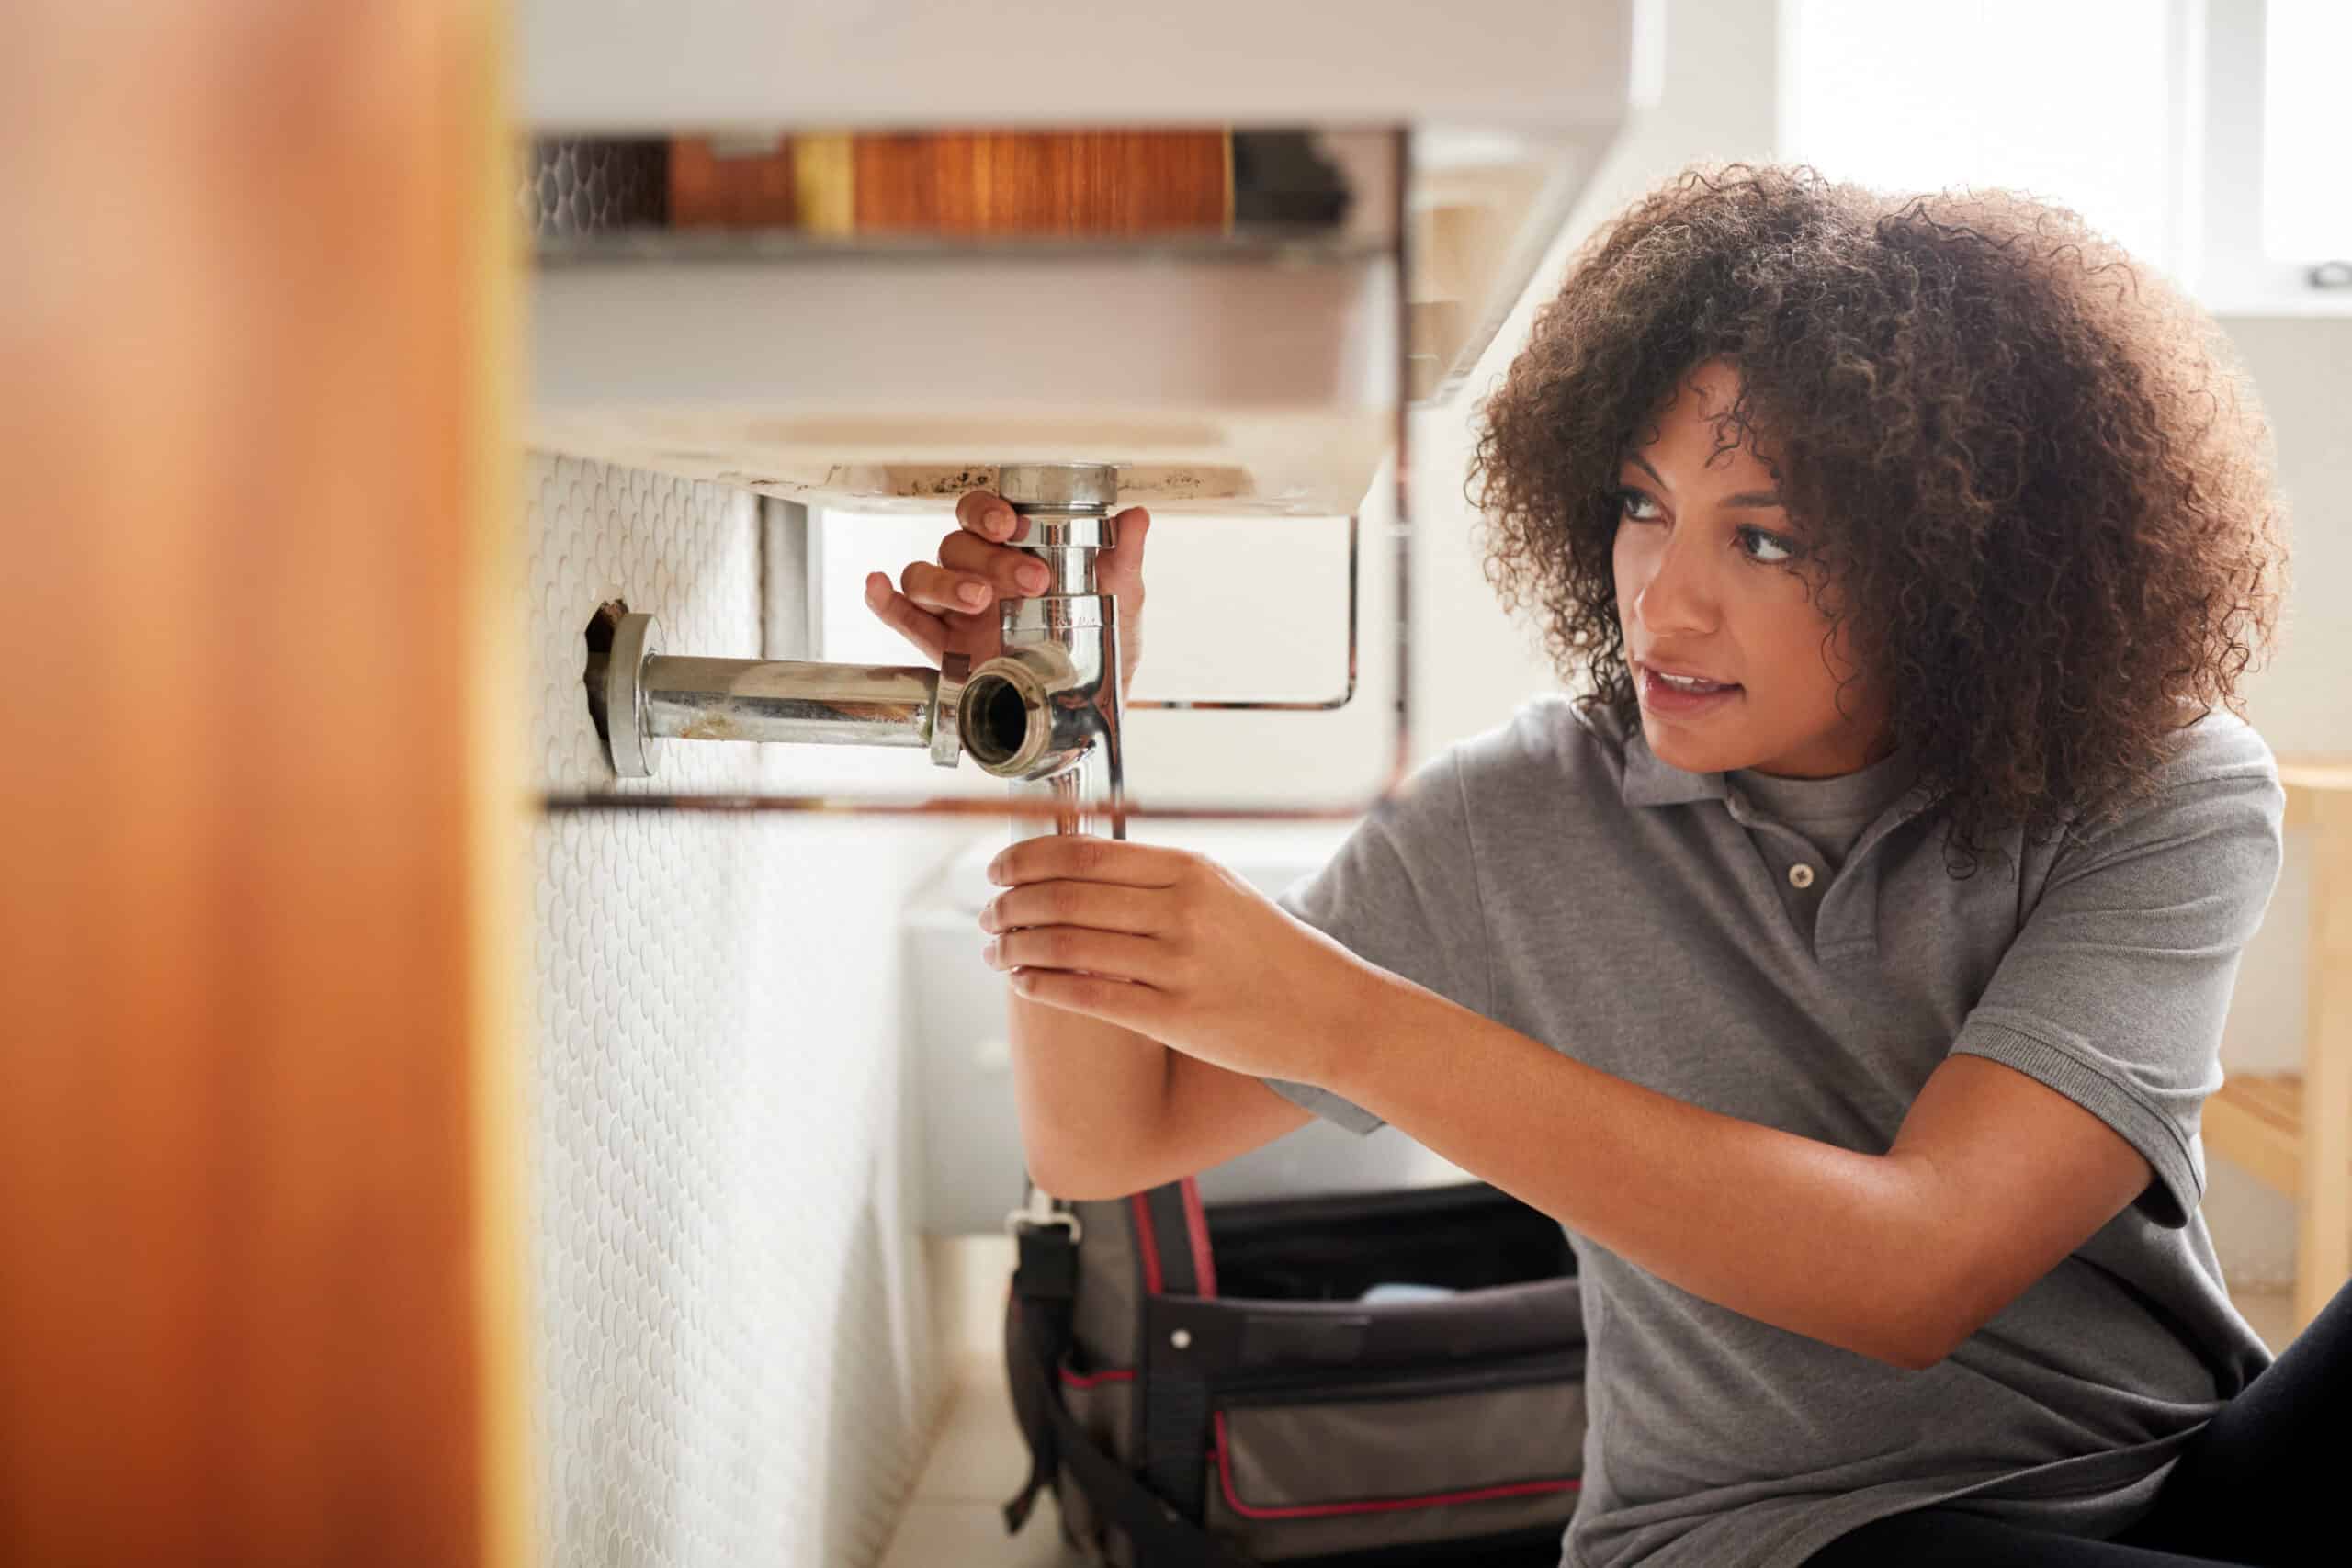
(2268, 1480)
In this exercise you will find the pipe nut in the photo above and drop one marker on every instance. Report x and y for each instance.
(1008, 711)
(947, 710)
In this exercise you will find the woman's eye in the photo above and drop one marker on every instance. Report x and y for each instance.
(1629, 499)
(1762, 547)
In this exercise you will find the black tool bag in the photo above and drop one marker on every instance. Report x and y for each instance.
(1208, 1388)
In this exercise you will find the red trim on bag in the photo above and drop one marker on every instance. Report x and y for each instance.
(1147, 1244)
(1312, 1510)
(1088, 1380)
(1196, 1227)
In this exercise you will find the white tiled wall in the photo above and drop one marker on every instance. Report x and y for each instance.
(734, 1363)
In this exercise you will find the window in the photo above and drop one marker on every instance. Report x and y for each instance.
(2204, 136)
(2060, 101)
(2306, 192)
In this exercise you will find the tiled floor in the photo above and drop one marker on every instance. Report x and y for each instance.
(978, 1462)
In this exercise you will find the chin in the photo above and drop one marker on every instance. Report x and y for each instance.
(1692, 753)
(1687, 751)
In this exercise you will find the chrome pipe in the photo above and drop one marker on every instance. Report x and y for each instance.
(640, 696)
(753, 699)
(1047, 712)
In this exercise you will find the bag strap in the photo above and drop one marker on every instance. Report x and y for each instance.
(1038, 1335)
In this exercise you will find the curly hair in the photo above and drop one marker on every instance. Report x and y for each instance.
(2036, 479)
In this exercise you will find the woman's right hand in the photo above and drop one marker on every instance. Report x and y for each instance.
(950, 606)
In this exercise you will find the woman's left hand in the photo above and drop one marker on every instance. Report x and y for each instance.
(1171, 944)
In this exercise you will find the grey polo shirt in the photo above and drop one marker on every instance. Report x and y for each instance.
(1665, 927)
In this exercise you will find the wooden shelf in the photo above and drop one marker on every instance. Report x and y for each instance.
(2293, 1131)
(2317, 788)
(2257, 1120)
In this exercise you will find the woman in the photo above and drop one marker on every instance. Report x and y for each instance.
(1845, 968)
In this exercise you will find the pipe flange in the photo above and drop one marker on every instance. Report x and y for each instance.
(628, 732)
(947, 710)
(1071, 486)
(1008, 717)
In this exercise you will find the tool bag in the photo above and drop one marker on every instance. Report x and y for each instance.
(1384, 1378)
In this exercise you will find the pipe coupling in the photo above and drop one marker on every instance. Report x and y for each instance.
(1031, 712)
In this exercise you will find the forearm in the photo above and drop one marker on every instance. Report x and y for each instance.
(1818, 1240)
(1089, 1092)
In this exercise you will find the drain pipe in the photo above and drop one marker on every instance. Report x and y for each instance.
(641, 697)
(1045, 714)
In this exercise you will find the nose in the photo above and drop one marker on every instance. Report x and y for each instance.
(1673, 592)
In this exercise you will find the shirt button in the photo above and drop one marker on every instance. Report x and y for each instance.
(1800, 875)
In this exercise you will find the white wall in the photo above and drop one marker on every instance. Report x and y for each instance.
(2303, 368)
(735, 1363)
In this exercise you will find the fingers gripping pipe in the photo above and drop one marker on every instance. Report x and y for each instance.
(1046, 713)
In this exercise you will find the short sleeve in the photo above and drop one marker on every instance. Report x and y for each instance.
(1401, 894)
(2114, 991)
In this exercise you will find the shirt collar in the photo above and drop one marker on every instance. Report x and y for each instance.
(1652, 780)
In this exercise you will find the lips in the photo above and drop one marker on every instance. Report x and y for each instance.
(1686, 675)
(1662, 699)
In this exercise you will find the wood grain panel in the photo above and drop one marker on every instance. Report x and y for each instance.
(2324, 1206)
(960, 183)
(1105, 181)
(709, 189)
(2237, 1130)
(253, 1146)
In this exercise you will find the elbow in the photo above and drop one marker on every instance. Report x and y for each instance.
(1917, 1326)
(1923, 1337)
(1893, 1345)
(1883, 1343)
(1061, 1179)
(1090, 1167)
(1075, 1178)
(1918, 1357)
(1075, 1187)
(1929, 1289)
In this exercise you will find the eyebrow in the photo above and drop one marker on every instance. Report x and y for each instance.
(1744, 498)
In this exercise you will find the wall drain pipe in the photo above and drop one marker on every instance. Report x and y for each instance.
(1046, 713)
